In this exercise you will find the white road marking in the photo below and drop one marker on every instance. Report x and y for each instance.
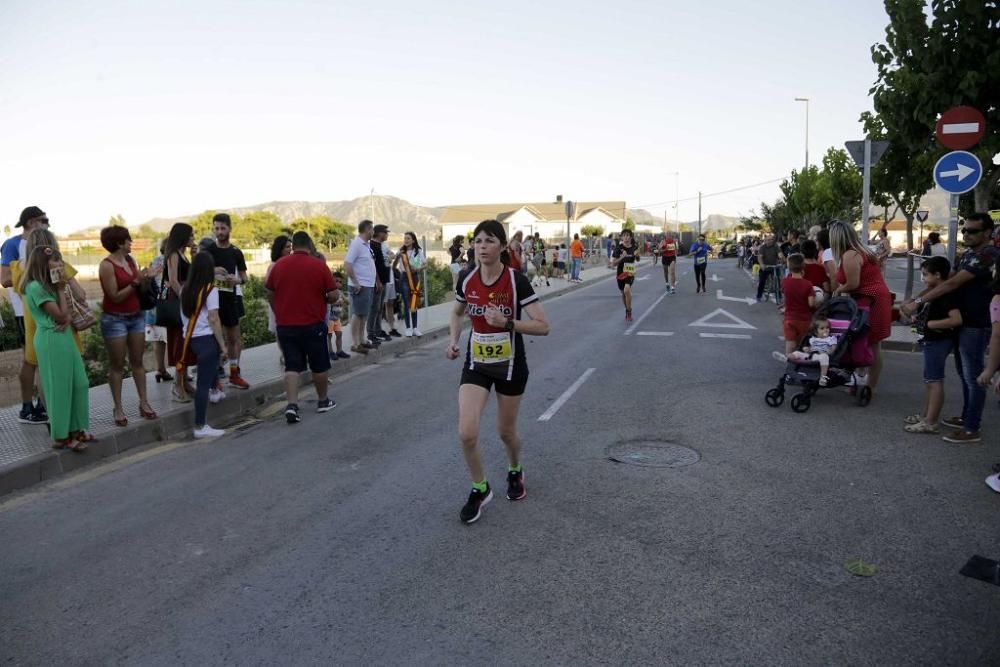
(734, 323)
(655, 333)
(642, 278)
(645, 314)
(715, 278)
(959, 128)
(748, 300)
(722, 335)
(554, 408)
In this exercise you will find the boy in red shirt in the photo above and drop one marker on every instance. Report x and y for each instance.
(799, 303)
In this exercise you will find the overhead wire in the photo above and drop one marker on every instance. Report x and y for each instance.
(704, 195)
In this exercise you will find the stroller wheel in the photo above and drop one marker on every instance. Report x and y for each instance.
(801, 402)
(774, 397)
(864, 396)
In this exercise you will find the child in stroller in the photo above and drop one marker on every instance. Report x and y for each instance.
(821, 344)
(845, 358)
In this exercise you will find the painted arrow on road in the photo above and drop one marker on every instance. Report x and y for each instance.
(748, 300)
(715, 278)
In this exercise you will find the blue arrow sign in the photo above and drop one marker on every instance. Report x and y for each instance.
(958, 172)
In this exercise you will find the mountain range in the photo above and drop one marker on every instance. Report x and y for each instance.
(399, 214)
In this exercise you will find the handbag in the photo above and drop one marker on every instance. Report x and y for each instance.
(148, 294)
(81, 316)
(168, 308)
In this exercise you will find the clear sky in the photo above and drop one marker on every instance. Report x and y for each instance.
(159, 109)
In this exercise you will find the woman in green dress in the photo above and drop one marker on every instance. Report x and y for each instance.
(60, 366)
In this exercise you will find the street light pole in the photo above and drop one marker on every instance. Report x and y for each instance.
(806, 100)
(677, 213)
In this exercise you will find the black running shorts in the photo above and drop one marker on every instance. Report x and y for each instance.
(513, 387)
(230, 309)
(623, 283)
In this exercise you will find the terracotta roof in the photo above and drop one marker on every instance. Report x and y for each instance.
(550, 211)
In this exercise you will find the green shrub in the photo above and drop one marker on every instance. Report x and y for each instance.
(8, 333)
(95, 354)
(438, 282)
(253, 326)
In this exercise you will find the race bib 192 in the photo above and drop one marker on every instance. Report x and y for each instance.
(491, 348)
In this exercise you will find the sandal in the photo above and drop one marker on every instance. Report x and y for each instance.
(913, 419)
(82, 436)
(147, 414)
(62, 444)
(921, 427)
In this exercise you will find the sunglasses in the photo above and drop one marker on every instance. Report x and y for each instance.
(966, 230)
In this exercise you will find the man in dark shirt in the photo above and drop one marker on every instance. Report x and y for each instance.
(767, 257)
(971, 284)
(230, 273)
(382, 273)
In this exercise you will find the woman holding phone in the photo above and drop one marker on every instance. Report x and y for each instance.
(60, 366)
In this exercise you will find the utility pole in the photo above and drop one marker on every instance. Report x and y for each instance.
(806, 100)
(699, 213)
(677, 210)
(371, 205)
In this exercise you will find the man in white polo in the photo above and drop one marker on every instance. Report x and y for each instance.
(359, 265)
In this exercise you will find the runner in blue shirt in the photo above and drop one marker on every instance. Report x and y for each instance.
(700, 252)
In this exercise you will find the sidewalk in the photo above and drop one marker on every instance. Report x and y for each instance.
(27, 458)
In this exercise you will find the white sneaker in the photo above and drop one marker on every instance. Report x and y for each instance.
(778, 356)
(417, 332)
(207, 431)
(993, 481)
(215, 395)
(408, 333)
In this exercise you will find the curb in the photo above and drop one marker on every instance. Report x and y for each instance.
(41, 467)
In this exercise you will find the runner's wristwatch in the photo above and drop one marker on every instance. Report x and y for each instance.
(509, 324)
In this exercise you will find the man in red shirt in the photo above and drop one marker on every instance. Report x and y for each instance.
(299, 287)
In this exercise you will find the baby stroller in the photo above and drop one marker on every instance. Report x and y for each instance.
(850, 323)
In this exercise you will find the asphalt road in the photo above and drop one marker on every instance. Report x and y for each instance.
(337, 541)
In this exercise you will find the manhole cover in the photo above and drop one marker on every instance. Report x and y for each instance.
(653, 454)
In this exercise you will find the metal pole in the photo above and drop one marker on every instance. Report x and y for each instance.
(866, 187)
(952, 228)
(699, 213)
(807, 134)
(677, 196)
(423, 244)
(806, 100)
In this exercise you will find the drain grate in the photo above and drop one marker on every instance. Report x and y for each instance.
(652, 454)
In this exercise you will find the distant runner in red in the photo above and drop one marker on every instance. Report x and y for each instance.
(494, 296)
(668, 252)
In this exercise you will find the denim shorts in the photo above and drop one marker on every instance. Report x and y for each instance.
(361, 302)
(935, 355)
(118, 325)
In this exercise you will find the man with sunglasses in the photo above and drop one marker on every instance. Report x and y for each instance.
(971, 283)
(11, 256)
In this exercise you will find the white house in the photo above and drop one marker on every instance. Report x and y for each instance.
(548, 218)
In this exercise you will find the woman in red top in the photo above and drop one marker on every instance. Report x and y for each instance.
(860, 276)
(123, 324)
(515, 252)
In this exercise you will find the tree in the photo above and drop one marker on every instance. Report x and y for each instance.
(324, 230)
(923, 70)
(815, 195)
(117, 221)
(259, 228)
(592, 230)
(628, 224)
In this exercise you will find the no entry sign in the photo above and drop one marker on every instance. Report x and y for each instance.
(960, 127)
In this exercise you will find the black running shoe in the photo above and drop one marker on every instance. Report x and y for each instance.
(343, 355)
(515, 485)
(33, 416)
(473, 508)
(292, 414)
(325, 405)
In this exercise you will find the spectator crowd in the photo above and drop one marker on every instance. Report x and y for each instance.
(188, 304)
